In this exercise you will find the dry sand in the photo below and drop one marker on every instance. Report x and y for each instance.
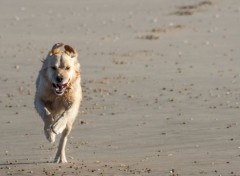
(161, 85)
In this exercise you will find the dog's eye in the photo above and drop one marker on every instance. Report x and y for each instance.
(67, 68)
(54, 68)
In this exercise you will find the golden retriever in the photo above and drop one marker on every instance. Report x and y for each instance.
(59, 94)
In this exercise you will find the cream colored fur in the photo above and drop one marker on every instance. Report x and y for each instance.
(59, 94)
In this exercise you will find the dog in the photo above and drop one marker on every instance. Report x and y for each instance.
(59, 94)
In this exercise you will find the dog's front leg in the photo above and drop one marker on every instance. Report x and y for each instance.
(47, 119)
(64, 126)
(60, 124)
(60, 155)
(65, 122)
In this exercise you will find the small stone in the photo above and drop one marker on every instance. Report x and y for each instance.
(17, 18)
(155, 20)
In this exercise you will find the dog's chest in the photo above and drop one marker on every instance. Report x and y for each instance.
(58, 105)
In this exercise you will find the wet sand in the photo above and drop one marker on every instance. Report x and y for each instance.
(160, 83)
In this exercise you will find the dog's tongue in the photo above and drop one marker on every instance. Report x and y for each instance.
(60, 86)
(63, 85)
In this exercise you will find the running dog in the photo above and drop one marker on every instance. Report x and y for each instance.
(59, 94)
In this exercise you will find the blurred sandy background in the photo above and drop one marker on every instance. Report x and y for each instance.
(160, 78)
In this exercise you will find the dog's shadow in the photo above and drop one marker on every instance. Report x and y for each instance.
(25, 163)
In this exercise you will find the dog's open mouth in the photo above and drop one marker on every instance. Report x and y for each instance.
(60, 88)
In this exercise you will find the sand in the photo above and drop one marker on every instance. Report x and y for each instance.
(160, 81)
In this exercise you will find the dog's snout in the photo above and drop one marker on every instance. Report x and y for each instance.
(59, 78)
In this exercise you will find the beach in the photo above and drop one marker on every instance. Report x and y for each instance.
(160, 84)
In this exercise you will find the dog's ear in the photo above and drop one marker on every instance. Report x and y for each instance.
(70, 51)
(55, 49)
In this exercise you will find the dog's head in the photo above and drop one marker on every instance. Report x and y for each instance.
(62, 67)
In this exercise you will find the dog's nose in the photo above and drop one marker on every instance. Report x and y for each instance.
(59, 79)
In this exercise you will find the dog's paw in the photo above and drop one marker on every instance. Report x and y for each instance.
(59, 125)
(59, 159)
(51, 137)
